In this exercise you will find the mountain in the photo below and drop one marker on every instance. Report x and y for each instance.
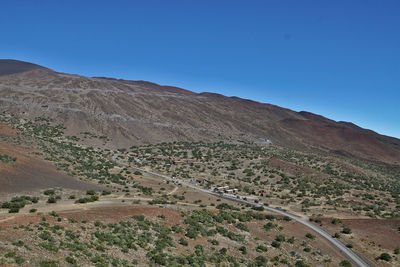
(140, 112)
(10, 66)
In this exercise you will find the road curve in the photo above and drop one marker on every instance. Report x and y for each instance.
(351, 255)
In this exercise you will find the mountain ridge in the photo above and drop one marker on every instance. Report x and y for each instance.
(139, 112)
(12, 66)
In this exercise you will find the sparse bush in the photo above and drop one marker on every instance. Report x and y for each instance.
(91, 192)
(261, 248)
(346, 230)
(183, 242)
(385, 257)
(49, 192)
(276, 244)
(301, 264)
(345, 263)
(52, 200)
(48, 263)
(310, 236)
(13, 210)
(7, 159)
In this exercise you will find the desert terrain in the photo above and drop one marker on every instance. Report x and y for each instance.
(107, 172)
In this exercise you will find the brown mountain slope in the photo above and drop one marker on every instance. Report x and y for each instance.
(343, 139)
(136, 112)
(10, 66)
(29, 173)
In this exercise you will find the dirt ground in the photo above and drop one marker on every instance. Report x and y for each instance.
(370, 237)
(29, 173)
(7, 130)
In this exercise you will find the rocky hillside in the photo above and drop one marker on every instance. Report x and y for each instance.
(10, 66)
(139, 112)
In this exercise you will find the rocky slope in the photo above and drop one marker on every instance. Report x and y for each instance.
(10, 66)
(138, 112)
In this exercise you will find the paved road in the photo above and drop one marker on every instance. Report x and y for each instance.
(354, 257)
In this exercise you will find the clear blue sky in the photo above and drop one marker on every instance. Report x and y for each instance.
(340, 59)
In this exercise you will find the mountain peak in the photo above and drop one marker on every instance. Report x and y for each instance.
(12, 66)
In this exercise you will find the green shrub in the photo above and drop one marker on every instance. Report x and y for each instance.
(13, 210)
(70, 260)
(91, 192)
(7, 159)
(345, 263)
(385, 257)
(49, 192)
(310, 236)
(261, 248)
(276, 244)
(301, 264)
(19, 260)
(183, 242)
(52, 200)
(346, 230)
(139, 218)
(280, 238)
(214, 242)
(19, 243)
(50, 246)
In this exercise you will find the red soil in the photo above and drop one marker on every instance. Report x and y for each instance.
(292, 168)
(31, 173)
(7, 130)
(382, 232)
